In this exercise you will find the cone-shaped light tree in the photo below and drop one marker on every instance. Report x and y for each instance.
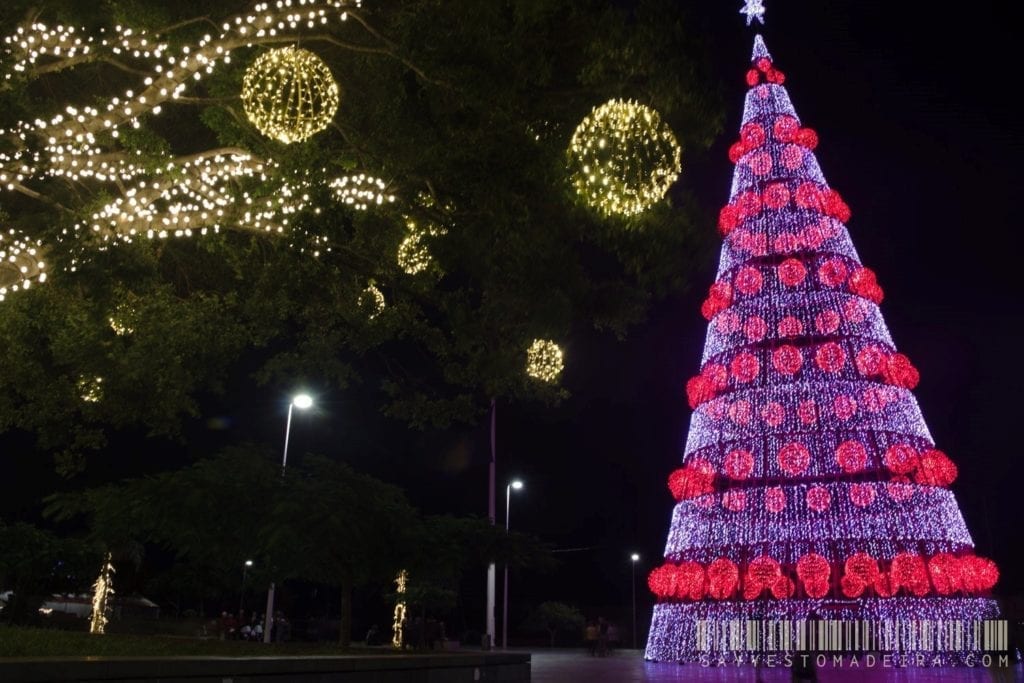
(810, 486)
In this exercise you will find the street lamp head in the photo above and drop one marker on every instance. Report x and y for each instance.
(634, 557)
(517, 484)
(248, 563)
(302, 401)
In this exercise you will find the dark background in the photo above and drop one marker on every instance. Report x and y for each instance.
(919, 131)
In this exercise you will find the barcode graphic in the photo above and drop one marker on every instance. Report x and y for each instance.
(891, 635)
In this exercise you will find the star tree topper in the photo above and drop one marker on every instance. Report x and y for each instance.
(754, 9)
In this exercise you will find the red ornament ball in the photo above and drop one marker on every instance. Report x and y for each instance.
(787, 359)
(735, 501)
(739, 412)
(946, 573)
(773, 414)
(792, 157)
(775, 196)
(791, 272)
(785, 128)
(935, 469)
(753, 77)
(978, 573)
(760, 163)
(790, 326)
(862, 495)
(794, 458)
(755, 328)
(749, 280)
(774, 499)
(899, 488)
(818, 498)
(830, 357)
(739, 463)
(844, 407)
(744, 367)
(901, 458)
(827, 322)
(870, 361)
(807, 138)
(807, 411)
(752, 135)
(723, 576)
(851, 456)
(832, 272)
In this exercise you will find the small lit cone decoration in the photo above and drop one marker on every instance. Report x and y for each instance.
(623, 158)
(544, 360)
(21, 264)
(101, 592)
(289, 94)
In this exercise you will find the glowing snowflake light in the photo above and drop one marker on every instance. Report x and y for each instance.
(623, 158)
(21, 263)
(754, 9)
(289, 94)
(544, 360)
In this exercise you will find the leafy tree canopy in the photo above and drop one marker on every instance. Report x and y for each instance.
(462, 108)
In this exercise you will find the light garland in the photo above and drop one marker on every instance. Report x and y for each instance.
(623, 158)
(809, 480)
(21, 263)
(544, 360)
(101, 592)
(289, 94)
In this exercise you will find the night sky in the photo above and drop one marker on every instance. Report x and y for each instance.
(913, 109)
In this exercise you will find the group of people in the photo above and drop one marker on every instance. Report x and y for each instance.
(601, 637)
(232, 627)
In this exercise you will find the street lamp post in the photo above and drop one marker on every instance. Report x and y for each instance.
(241, 598)
(635, 558)
(302, 402)
(515, 484)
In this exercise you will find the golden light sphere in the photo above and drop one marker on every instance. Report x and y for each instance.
(21, 263)
(289, 94)
(544, 360)
(623, 158)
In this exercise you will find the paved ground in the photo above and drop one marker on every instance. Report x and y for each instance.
(566, 666)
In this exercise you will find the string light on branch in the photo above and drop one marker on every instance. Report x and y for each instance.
(21, 263)
(544, 360)
(623, 158)
(289, 94)
(121, 320)
(90, 389)
(361, 191)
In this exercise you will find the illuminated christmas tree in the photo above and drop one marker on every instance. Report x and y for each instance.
(810, 485)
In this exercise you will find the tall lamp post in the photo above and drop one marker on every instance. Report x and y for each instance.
(635, 558)
(514, 484)
(302, 402)
(241, 598)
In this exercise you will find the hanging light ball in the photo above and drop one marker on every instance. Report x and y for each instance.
(289, 94)
(623, 158)
(544, 360)
(21, 263)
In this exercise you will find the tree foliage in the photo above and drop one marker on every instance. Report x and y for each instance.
(463, 107)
